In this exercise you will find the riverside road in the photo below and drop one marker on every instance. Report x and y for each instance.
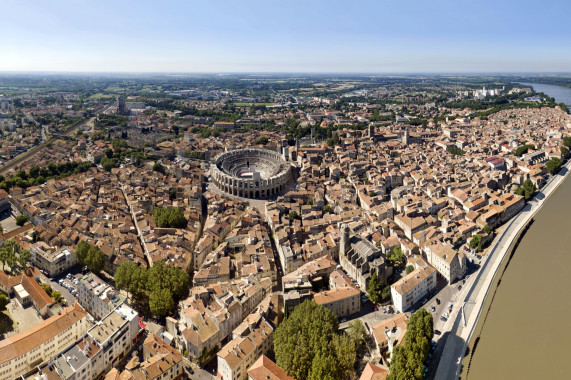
(460, 326)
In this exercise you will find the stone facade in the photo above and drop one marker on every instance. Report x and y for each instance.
(251, 173)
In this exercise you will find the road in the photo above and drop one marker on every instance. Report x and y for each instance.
(461, 324)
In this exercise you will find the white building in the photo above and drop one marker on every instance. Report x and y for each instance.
(450, 263)
(97, 297)
(53, 261)
(102, 348)
(21, 353)
(413, 287)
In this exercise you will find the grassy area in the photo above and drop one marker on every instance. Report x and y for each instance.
(250, 104)
(7, 324)
(101, 97)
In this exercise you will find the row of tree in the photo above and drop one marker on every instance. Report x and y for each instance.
(36, 176)
(12, 254)
(408, 359)
(308, 345)
(160, 287)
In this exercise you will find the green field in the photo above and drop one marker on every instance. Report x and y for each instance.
(249, 104)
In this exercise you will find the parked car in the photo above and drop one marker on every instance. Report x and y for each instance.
(438, 301)
(437, 332)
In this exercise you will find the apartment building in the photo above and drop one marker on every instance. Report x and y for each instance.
(97, 297)
(239, 354)
(413, 287)
(52, 261)
(21, 353)
(450, 263)
(341, 301)
(103, 347)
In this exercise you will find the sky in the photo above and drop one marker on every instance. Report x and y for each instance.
(352, 36)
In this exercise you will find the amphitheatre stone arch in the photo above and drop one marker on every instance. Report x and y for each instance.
(251, 172)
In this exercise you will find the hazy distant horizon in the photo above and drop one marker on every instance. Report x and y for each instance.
(441, 36)
(268, 73)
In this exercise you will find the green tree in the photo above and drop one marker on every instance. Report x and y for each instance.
(327, 208)
(334, 140)
(564, 151)
(456, 151)
(397, 258)
(521, 150)
(34, 171)
(476, 242)
(95, 259)
(307, 335)
(21, 220)
(124, 275)
(528, 188)
(345, 353)
(488, 229)
(172, 194)
(357, 332)
(81, 251)
(9, 254)
(262, 140)
(23, 258)
(323, 367)
(3, 301)
(408, 359)
(409, 268)
(553, 165)
(374, 288)
(293, 215)
(386, 293)
(567, 141)
(47, 288)
(169, 217)
(161, 302)
(91, 256)
(139, 282)
(57, 296)
(158, 167)
(108, 163)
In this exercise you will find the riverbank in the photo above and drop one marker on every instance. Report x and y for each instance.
(468, 324)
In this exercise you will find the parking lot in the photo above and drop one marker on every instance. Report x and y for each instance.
(66, 285)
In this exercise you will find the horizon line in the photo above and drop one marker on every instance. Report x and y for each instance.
(2, 72)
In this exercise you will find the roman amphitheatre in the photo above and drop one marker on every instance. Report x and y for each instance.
(251, 173)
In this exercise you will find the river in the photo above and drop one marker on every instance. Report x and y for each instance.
(561, 94)
(527, 334)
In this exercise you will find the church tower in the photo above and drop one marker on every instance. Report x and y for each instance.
(405, 137)
(345, 244)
